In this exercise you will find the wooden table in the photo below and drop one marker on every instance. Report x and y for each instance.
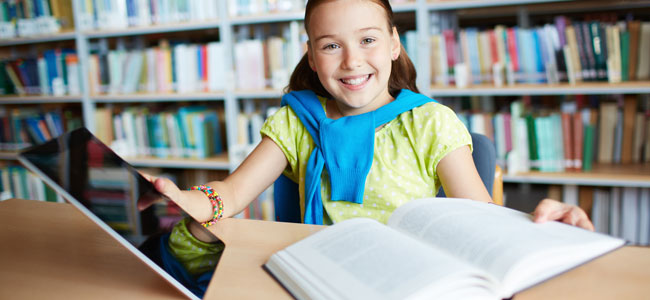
(50, 250)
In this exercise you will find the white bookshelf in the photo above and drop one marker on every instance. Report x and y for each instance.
(63, 36)
(423, 11)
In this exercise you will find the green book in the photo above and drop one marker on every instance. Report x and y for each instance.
(588, 148)
(50, 194)
(625, 55)
(599, 48)
(533, 153)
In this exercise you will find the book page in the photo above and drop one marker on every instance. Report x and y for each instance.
(364, 259)
(502, 241)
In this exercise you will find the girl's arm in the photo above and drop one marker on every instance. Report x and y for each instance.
(257, 172)
(460, 179)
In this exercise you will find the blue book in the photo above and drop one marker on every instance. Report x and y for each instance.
(474, 60)
(37, 8)
(31, 123)
(184, 119)
(537, 53)
(158, 135)
(213, 132)
(52, 72)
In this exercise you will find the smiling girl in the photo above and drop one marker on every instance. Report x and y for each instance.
(356, 135)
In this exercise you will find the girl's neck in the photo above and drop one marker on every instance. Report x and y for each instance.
(335, 110)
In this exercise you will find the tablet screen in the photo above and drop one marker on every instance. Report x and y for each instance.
(100, 180)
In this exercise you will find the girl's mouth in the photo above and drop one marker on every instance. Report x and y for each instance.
(356, 80)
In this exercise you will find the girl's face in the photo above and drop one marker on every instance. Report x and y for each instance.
(351, 49)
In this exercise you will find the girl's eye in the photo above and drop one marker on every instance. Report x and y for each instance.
(367, 41)
(331, 46)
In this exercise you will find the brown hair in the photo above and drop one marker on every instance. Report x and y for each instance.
(402, 75)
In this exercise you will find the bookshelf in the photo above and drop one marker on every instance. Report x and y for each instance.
(628, 175)
(229, 25)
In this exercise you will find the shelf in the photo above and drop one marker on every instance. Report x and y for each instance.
(14, 99)
(407, 6)
(549, 7)
(585, 88)
(266, 93)
(8, 155)
(633, 175)
(163, 28)
(462, 4)
(219, 162)
(63, 36)
(171, 97)
(268, 18)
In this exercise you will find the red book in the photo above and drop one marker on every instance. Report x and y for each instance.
(450, 45)
(493, 46)
(512, 48)
(578, 140)
(204, 66)
(567, 140)
(508, 129)
(43, 128)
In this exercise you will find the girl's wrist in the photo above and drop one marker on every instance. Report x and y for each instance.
(215, 202)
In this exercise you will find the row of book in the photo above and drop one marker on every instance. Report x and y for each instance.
(571, 138)
(17, 182)
(565, 51)
(55, 72)
(26, 18)
(180, 68)
(192, 68)
(22, 127)
(267, 61)
(118, 14)
(618, 211)
(261, 7)
(183, 132)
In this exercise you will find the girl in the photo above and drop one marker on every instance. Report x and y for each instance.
(356, 136)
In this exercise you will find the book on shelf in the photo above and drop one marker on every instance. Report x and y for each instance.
(184, 132)
(54, 72)
(567, 50)
(29, 18)
(267, 62)
(179, 68)
(435, 248)
(120, 14)
(621, 212)
(262, 7)
(22, 127)
(569, 138)
(17, 182)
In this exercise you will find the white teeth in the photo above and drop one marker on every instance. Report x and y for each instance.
(355, 81)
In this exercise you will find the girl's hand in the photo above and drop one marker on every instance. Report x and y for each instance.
(553, 210)
(164, 186)
(195, 203)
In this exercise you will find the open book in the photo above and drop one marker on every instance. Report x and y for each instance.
(441, 248)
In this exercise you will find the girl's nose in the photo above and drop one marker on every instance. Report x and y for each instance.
(352, 59)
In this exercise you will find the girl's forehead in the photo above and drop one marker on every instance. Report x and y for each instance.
(346, 15)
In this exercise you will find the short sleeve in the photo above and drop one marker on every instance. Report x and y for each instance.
(285, 129)
(447, 133)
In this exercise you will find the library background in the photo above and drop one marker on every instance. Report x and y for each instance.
(180, 88)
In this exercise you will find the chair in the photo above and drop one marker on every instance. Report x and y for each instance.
(287, 200)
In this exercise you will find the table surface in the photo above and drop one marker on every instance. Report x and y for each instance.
(52, 250)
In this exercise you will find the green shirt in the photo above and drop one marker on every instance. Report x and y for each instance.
(407, 152)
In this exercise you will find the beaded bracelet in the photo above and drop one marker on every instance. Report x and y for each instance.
(215, 200)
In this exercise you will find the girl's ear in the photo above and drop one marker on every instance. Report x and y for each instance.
(395, 45)
(310, 57)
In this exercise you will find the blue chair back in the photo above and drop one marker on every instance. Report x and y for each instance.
(286, 198)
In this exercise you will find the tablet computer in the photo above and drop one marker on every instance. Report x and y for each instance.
(104, 187)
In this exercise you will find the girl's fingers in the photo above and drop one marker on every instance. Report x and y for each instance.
(549, 210)
(552, 210)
